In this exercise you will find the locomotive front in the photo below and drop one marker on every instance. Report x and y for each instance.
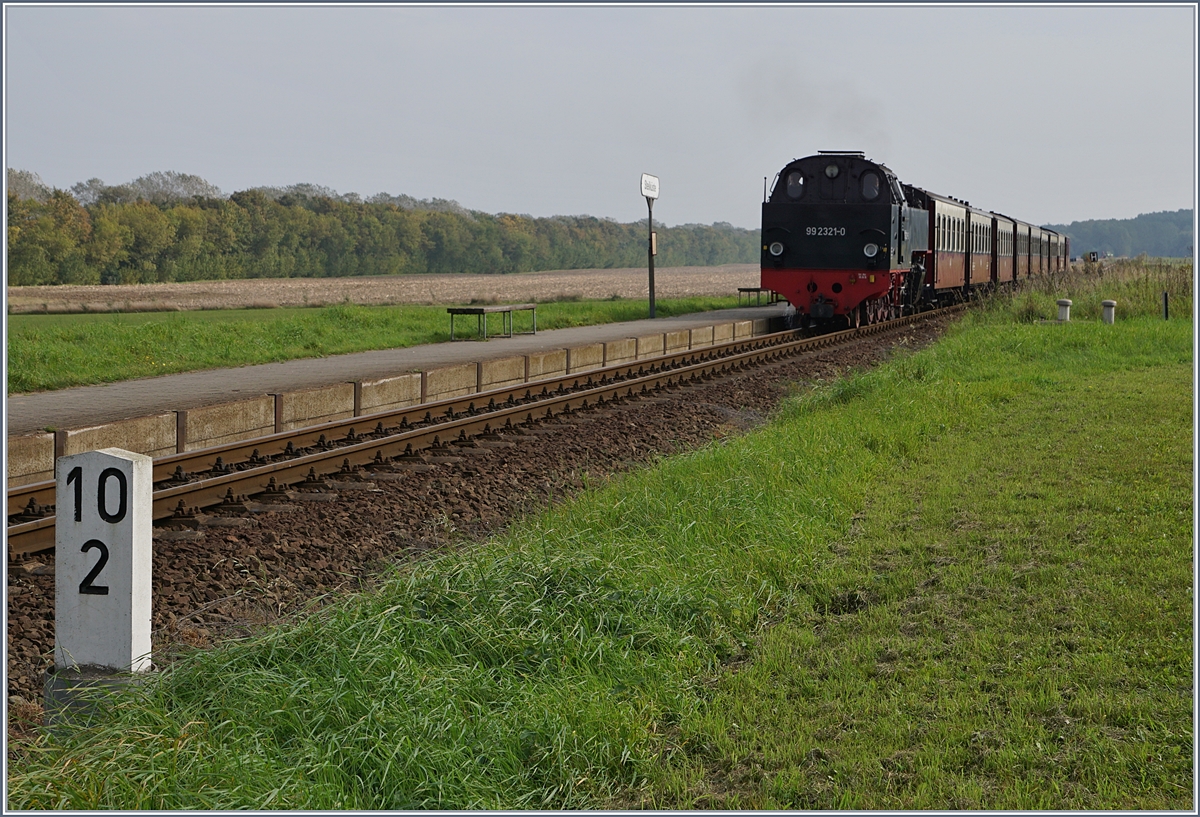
(838, 239)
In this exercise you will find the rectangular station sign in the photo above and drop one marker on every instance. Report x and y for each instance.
(649, 186)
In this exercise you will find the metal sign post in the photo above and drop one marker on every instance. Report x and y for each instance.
(650, 191)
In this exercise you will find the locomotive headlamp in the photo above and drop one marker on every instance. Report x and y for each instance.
(776, 249)
(831, 171)
(870, 250)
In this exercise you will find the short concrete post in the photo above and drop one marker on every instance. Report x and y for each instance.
(1110, 310)
(102, 576)
(1064, 309)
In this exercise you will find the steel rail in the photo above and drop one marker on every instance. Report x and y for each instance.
(442, 424)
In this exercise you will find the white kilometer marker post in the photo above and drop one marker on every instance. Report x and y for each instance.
(102, 572)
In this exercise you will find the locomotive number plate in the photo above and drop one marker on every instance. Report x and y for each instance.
(824, 230)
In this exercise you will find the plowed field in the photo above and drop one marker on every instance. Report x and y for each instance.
(588, 284)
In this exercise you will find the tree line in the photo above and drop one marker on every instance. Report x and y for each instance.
(176, 227)
(1164, 235)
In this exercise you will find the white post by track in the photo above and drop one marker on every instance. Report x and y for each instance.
(102, 561)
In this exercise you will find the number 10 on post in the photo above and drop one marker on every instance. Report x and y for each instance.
(103, 560)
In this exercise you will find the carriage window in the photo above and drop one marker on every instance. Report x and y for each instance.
(870, 186)
(795, 184)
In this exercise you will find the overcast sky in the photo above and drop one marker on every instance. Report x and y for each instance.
(1048, 114)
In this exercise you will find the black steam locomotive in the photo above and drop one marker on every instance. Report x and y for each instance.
(846, 242)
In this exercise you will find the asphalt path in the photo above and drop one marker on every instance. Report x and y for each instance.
(95, 405)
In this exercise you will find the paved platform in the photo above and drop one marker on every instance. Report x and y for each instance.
(94, 405)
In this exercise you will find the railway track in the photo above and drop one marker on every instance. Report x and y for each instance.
(230, 571)
(228, 476)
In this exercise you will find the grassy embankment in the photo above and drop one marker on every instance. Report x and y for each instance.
(962, 580)
(47, 352)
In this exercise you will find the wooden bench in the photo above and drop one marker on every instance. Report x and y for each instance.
(481, 313)
(757, 292)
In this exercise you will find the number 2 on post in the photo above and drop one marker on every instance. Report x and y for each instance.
(86, 587)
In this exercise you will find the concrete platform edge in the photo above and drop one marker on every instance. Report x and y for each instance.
(31, 457)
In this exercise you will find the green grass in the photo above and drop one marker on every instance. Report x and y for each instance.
(47, 352)
(962, 580)
(1011, 626)
(1136, 284)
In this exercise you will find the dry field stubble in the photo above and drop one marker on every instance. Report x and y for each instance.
(589, 284)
